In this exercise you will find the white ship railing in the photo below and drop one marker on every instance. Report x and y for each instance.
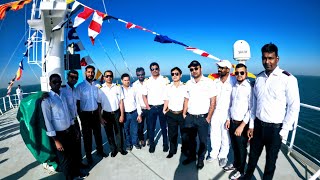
(10, 101)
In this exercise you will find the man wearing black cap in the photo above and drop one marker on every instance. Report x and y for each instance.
(198, 108)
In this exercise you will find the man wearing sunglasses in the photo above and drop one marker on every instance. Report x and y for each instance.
(68, 91)
(153, 98)
(138, 85)
(219, 135)
(110, 99)
(199, 104)
(173, 106)
(59, 126)
(276, 107)
(87, 106)
(237, 121)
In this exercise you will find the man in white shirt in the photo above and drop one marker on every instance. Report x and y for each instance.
(198, 108)
(153, 98)
(19, 93)
(219, 135)
(138, 85)
(132, 112)
(110, 99)
(276, 107)
(173, 106)
(87, 106)
(238, 120)
(60, 128)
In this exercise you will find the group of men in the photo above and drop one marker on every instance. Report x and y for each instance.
(228, 108)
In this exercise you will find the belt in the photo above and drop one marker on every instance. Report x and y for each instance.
(236, 122)
(198, 115)
(131, 112)
(67, 131)
(156, 106)
(175, 112)
(89, 112)
(112, 112)
(265, 124)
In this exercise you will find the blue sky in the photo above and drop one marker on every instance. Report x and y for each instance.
(212, 26)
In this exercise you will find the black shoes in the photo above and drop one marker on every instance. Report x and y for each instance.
(170, 155)
(124, 152)
(152, 149)
(165, 148)
(114, 153)
(89, 160)
(129, 148)
(188, 161)
(200, 164)
(137, 146)
(102, 154)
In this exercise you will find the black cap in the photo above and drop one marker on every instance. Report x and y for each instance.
(194, 63)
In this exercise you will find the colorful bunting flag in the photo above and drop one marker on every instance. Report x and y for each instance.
(202, 53)
(166, 39)
(98, 74)
(83, 62)
(19, 72)
(81, 17)
(69, 1)
(88, 60)
(10, 85)
(72, 34)
(78, 46)
(95, 25)
(16, 5)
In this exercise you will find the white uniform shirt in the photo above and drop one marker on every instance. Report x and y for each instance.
(131, 100)
(276, 100)
(110, 97)
(175, 96)
(139, 88)
(56, 114)
(223, 95)
(240, 102)
(69, 94)
(87, 94)
(199, 95)
(154, 89)
(19, 93)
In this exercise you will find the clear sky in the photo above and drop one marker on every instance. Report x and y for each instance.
(213, 26)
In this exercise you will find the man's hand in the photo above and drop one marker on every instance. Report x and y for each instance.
(250, 133)
(164, 112)
(227, 124)
(208, 120)
(45, 95)
(121, 119)
(148, 107)
(239, 130)
(184, 116)
(139, 119)
(58, 145)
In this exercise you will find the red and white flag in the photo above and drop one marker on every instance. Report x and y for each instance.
(83, 16)
(95, 25)
(202, 53)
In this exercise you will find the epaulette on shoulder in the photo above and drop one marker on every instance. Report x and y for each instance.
(118, 84)
(286, 73)
(260, 73)
(63, 86)
(252, 83)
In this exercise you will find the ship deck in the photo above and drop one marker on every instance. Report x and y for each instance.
(16, 162)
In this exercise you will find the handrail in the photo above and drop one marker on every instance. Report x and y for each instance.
(8, 103)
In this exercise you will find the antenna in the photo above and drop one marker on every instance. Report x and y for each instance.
(241, 51)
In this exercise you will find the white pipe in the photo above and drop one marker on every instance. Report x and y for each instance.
(315, 176)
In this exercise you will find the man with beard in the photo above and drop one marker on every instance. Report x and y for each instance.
(87, 105)
(276, 106)
(153, 98)
(199, 104)
(237, 121)
(138, 85)
(219, 134)
(110, 98)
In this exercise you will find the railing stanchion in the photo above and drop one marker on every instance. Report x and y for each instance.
(4, 104)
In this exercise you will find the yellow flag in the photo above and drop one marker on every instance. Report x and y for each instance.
(69, 1)
(99, 73)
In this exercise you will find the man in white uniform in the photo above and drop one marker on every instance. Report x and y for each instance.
(19, 93)
(276, 106)
(219, 135)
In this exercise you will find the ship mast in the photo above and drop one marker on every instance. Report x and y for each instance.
(51, 13)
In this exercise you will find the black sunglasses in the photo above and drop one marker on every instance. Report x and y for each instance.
(175, 74)
(108, 76)
(140, 74)
(194, 69)
(56, 82)
(154, 69)
(237, 73)
(219, 67)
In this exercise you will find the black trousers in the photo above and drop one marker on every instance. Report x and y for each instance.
(196, 126)
(90, 123)
(239, 146)
(175, 122)
(68, 159)
(141, 125)
(268, 136)
(114, 130)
